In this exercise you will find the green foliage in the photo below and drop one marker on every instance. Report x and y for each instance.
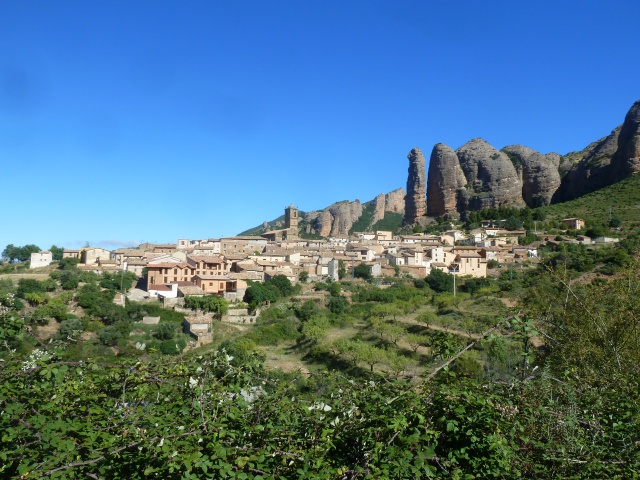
(165, 331)
(29, 285)
(439, 281)
(171, 347)
(68, 263)
(56, 253)
(513, 223)
(70, 330)
(493, 264)
(118, 281)
(391, 222)
(304, 276)
(12, 253)
(115, 334)
(283, 284)
(337, 304)
(259, 293)
(362, 271)
(209, 303)
(363, 224)
(305, 311)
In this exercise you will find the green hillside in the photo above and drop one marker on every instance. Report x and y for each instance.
(623, 198)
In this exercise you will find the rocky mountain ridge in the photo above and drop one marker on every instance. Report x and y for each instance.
(477, 176)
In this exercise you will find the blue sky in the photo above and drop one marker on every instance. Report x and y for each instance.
(123, 122)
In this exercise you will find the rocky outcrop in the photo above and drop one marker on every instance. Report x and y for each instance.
(414, 204)
(606, 161)
(336, 219)
(395, 201)
(492, 180)
(626, 160)
(446, 192)
(379, 204)
(539, 174)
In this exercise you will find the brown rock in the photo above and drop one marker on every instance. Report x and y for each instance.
(540, 174)
(379, 205)
(492, 180)
(415, 205)
(395, 201)
(446, 186)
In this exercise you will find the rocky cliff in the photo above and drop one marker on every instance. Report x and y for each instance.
(414, 201)
(477, 176)
(606, 161)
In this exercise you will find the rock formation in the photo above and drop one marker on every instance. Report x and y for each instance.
(414, 204)
(395, 201)
(337, 219)
(606, 161)
(446, 192)
(492, 180)
(379, 204)
(539, 174)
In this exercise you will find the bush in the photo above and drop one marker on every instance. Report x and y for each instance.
(171, 347)
(493, 263)
(70, 329)
(165, 331)
(440, 281)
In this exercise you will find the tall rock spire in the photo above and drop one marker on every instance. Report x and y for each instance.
(415, 204)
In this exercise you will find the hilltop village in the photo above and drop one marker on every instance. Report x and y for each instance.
(223, 266)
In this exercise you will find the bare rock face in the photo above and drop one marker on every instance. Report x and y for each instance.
(379, 206)
(626, 160)
(540, 174)
(337, 219)
(492, 180)
(395, 201)
(592, 170)
(415, 205)
(446, 192)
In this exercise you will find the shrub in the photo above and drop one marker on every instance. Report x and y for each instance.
(165, 331)
(70, 329)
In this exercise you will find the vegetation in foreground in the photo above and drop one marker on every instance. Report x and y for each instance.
(400, 380)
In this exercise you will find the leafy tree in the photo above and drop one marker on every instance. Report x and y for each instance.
(362, 271)
(304, 276)
(305, 311)
(56, 253)
(439, 281)
(258, 293)
(337, 304)
(513, 223)
(283, 284)
(22, 254)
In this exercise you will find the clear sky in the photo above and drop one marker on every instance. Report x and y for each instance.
(131, 121)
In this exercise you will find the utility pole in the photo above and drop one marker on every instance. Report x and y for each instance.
(610, 207)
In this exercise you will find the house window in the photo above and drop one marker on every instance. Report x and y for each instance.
(175, 271)
(165, 279)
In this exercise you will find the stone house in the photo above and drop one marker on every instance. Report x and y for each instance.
(91, 255)
(573, 223)
(471, 264)
(41, 259)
